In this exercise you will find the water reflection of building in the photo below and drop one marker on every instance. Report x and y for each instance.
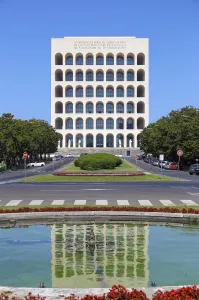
(99, 255)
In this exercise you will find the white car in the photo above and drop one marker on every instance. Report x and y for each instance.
(36, 164)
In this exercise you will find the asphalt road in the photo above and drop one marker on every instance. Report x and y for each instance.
(133, 193)
(156, 170)
(48, 169)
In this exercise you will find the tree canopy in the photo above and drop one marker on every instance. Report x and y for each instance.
(178, 130)
(36, 137)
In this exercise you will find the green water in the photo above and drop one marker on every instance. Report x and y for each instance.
(98, 255)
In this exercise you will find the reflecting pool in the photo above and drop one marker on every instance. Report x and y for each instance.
(99, 255)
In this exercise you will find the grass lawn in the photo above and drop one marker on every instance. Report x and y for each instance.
(52, 178)
(124, 167)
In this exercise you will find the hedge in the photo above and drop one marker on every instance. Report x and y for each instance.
(2, 167)
(98, 161)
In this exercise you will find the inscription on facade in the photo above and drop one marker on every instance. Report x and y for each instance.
(100, 45)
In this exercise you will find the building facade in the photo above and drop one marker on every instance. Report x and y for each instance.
(99, 91)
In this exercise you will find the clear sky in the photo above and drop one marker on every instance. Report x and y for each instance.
(26, 27)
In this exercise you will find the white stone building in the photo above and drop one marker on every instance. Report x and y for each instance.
(99, 91)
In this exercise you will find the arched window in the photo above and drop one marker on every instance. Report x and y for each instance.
(120, 76)
(58, 108)
(120, 108)
(109, 91)
(79, 76)
(138, 140)
(109, 123)
(109, 59)
(99, 140)
(89, 76)
(69, 140)
(130, 124)
(99, 60)
(89, 59)
(69, 91)
(69, 108)
(140, 123)
(79, 123)
(79, 140)
(140, 75)
(120, 59)
(58, 75)
(130, 59)
(58, 123)
(79, 108)
(89, 91)
(79, 92)
(140, 107)
(58, 91)
(69, 123)
(130, 76)
(140, 91)
(109, 108)
(140, 59)
(89, 108)
(69, 59)
(89, 123)
(69, 76)
(89, 140)
(109, 76)
(99, 76)
(120, 92)
(120, 123)
(58, 59)
(109, 141)
(99, 123)
(130, 140)
(130, 108)
(130, 91)
(79, 59)
(99, 92)
(119, 140)
(100, 108)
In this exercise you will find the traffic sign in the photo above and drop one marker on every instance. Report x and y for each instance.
(25, 155)
(161, 157)
(179, 152)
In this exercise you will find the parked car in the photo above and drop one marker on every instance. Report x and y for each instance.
(194, 169)
(156, 162)
(36, 164)
(162, 163)
(173, 166)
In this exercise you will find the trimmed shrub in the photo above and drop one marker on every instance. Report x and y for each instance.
(2, 167)
(98, 161)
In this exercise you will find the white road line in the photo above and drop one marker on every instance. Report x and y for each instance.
(13, 203)
(145, 203)
(194, 194)
(167, 202)
(101, 202)
(99, 189)
(58, 202)
(80, 202)
(123, 202)
(36, 202)
(188, 202)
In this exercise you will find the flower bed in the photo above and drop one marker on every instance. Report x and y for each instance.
(97, 174)
(120, 293)
(101, 208)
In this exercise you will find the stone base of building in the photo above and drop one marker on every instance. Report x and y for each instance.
(116, 151)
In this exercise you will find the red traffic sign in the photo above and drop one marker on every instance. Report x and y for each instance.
(179, 152)
(25, 155)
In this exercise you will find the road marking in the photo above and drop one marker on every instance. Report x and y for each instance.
(36, 202)
(58, 202)
(167, 202)
(98, 189)
(123, 202)
(145, 203)
(194, 194)
(101, 202)
(13, 203)
(80, 202)
(188, 202)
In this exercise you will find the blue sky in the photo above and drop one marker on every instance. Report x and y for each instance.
(26, 27)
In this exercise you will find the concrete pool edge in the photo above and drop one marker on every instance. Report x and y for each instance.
(30, 218)
(57, 293)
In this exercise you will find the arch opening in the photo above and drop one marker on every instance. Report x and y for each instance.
(58, 107)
